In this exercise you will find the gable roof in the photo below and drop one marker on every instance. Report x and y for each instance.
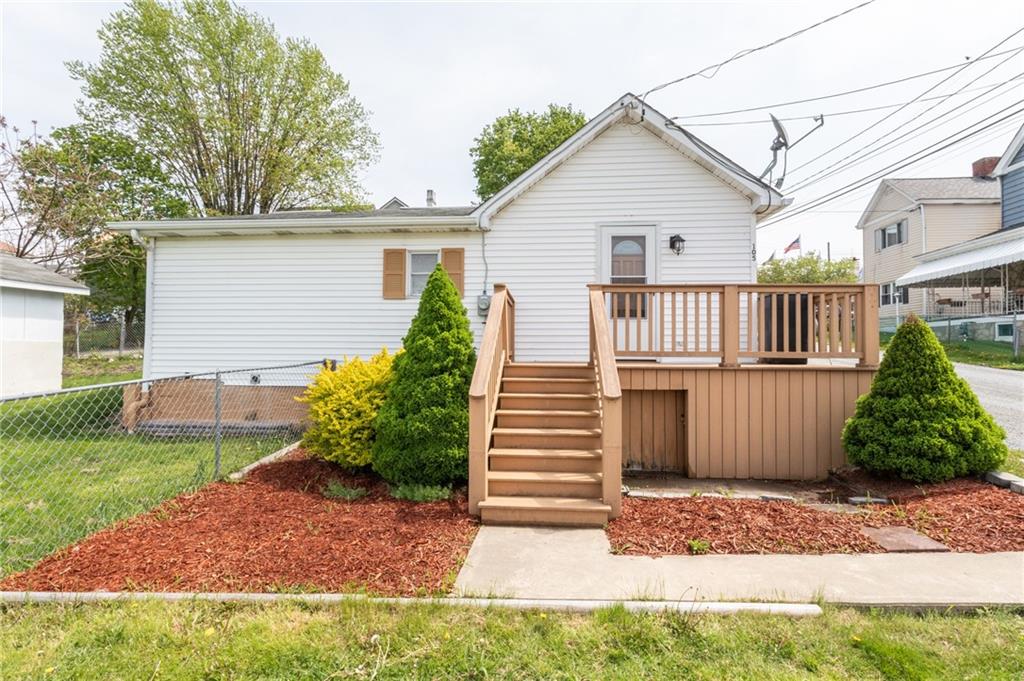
(931, 190)
(17, 272)
(394, 202)
(1013, 157)
(765, 198)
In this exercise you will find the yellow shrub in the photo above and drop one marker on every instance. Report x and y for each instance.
(343, 404)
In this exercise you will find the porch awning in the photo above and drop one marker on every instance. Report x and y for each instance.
(949, 270)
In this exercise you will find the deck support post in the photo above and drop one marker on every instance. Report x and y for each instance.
(729, 326)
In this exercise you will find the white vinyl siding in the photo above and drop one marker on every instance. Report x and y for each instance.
(545, 245)
(236, 302)
(31, 340)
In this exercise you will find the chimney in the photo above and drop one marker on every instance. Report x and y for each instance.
(431, 202)
(983, 167)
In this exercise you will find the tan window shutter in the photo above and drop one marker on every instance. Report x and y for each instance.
(453, 260)
(394, 274)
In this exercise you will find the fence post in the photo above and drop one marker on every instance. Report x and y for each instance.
(122, 333)
(216, 427)
(78, 345)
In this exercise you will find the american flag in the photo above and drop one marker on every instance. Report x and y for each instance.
(795, 246)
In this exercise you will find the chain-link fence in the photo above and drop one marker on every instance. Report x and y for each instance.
(77, 460)
(87, 337)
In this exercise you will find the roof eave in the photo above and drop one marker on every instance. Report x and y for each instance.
(47, 288)
(282, 226)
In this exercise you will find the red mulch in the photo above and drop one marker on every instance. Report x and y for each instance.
(967, 516)
(275, 531)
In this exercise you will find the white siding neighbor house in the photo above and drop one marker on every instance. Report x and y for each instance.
(31, 325)
(605, 206)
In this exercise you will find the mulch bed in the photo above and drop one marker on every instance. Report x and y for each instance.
(273, 532)
(965, 515)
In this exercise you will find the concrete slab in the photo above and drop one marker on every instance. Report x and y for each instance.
(903, 540)
(674, 486)
(1002, 478)
(530, 562)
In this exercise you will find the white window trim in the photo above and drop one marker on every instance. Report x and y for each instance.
(905, 233)
(436, 252)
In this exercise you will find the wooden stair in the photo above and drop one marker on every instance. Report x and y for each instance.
(544, 461)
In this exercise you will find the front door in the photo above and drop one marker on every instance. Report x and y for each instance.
(628, 257)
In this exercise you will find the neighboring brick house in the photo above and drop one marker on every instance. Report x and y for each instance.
(907, 217)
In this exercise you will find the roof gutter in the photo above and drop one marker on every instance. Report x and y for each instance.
(139, 228)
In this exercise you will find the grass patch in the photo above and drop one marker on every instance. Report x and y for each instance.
(337, 490)
(97, 369)
(1014, 462)
(984, 353)
(420, 493)
(68, 469)
(195, 640)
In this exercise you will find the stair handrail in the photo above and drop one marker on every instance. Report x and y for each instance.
(496, 350)
(609, 391)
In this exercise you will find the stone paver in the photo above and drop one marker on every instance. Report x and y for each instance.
(530, 562)
(903, 540)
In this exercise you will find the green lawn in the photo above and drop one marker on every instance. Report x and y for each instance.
(67, 469)
(195, 640)
(97, 369)
(1015, 462)
(985, 353)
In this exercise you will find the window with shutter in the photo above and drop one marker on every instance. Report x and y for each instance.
(421, 264)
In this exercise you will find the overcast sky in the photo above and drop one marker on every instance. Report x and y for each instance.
(434, 74)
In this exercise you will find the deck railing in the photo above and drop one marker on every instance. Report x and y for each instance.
(496, 349)
(734, 321)
(609, 394)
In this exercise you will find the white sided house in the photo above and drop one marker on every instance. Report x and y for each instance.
(605, 206)
(31, 325)
(628, 331)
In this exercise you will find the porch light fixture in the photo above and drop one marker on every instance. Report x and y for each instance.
(677, 244)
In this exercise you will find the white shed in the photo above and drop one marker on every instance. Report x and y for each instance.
(31, 325)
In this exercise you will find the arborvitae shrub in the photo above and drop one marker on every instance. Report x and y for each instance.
(423, 427)
(343, 405)
(921, 421)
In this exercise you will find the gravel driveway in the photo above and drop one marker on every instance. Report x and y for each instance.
(1001, 392)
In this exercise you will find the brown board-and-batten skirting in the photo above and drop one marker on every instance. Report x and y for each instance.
(761, 421)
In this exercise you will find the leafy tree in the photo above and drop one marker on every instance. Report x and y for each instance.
(51, 203)
(244, 120)
(921, 421)
(513, 143)
(423, 426)
(810, 268)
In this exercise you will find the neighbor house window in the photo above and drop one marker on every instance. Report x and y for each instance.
(1004, 330)
(891, 235)
(421, 264)
(890, 294)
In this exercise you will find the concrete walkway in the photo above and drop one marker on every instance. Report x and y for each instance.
(529, 562)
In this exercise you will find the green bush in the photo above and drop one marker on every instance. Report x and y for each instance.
(921, 421)
(410, 491)
(343, 404)
(423, 427)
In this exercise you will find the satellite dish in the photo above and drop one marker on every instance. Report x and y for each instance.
(781, 142)
(781, 138)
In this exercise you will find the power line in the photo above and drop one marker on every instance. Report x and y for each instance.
(833, 114)
(868, 179)
(866, 152)
(866, 88)
(714, 68)
(890, 115)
